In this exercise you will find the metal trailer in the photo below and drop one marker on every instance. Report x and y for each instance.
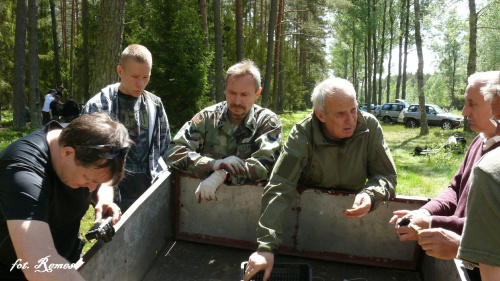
(167, 235)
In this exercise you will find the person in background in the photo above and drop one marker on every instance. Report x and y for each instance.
(55, 111)
(59, 92)
(233, 142)
(143, 115)
(46, 106)
(48, 181)
(71, 110)
(336, 147)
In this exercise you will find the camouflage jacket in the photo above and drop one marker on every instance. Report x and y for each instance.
(209, 136)
(360, 163)
(159, 131)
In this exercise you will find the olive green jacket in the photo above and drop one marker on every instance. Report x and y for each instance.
(209, 136)
(361, 163)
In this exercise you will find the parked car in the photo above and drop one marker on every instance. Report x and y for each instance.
(436, 116)
(390, 111)
(377, 110)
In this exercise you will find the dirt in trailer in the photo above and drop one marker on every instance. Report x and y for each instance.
(202, 262)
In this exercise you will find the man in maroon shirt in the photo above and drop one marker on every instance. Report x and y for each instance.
(442, 218)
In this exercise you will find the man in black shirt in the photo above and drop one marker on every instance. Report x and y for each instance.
(71, 109)
(48, 180)
(54, 108)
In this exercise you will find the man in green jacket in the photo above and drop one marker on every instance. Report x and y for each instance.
(234, 141)
(335, 147)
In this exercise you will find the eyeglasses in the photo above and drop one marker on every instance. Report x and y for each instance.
(107, 151)
(495, 121)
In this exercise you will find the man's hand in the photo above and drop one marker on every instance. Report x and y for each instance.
(420, 218)
(362, 205)
(105, 210)
(209, 186)
(234, 164)
(439, 243)
(259, 261)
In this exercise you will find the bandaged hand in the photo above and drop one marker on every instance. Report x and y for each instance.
(208, 187)
(234, 164)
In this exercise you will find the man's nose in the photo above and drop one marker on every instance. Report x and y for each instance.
(466, 111)
(91, 186)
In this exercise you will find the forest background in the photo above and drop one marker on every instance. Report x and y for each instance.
(77, 44)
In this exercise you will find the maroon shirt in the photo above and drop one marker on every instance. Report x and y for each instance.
(448, 208)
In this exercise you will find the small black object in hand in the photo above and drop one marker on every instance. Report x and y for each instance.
(404, 222)
(104, 231)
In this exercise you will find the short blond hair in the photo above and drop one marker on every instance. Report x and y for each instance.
(245, 67)
(137, 52)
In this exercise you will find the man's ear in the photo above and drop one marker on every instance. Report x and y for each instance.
(119, 70)
(258, 92)
(67, 151)
(320, 115)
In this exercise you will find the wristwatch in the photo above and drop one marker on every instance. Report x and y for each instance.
(228, 175)
(469, 265)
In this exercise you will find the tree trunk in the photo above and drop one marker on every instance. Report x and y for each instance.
(354, 72)
(57, 62)
(204, 26)
(269, 60)
(367, 66)
(407, 31)
(400, 57)
(85, 35)
(34, 87)
(375, 59)
(63, 27)
(277, 56)
(471, 63)
(390, 54)
(72, 41)
(424, 129)
(108, 43)
(239, 30)
(370, 59)
(382, 53)
(219, 80)
(19, 60)
(144, 4)
(281, 80)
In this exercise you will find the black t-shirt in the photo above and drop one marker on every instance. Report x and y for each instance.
(54, 106)
(133, 114)
(31, 190)
(71, 108)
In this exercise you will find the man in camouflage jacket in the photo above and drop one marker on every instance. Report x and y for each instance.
(235, 141)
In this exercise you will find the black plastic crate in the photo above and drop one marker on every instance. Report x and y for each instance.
(283, 272)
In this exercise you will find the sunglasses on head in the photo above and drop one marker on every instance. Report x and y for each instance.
(107, 151)
(495, 121)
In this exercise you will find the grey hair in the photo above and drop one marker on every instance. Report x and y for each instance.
(491, 89)
(483, 78)
(245, 67)
(332, 86)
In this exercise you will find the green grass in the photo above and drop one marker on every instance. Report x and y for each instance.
(423, 175)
